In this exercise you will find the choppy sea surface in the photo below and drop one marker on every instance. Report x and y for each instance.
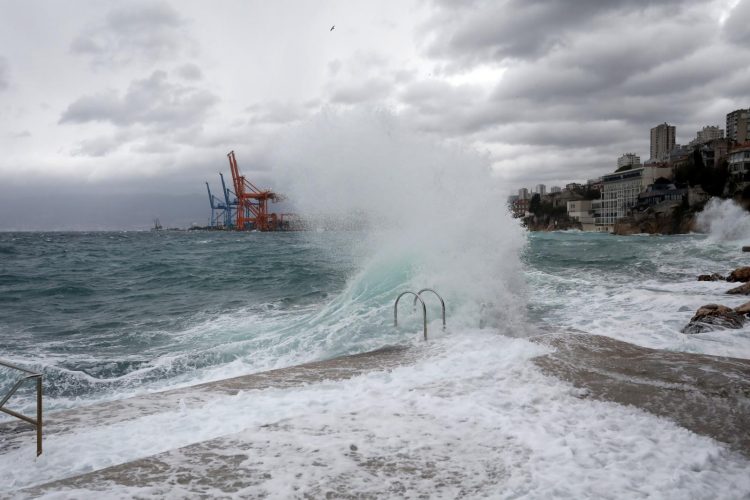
(109, 315)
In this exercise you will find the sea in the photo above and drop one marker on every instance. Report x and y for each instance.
(108, 316)
(111, 315)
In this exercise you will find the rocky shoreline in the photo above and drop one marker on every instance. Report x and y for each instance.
(711, 317)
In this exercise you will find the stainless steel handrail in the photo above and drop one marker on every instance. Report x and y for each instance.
(442, 302)
(35, 422)
(424, 311)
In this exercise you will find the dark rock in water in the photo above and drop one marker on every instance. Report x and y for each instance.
(713, 316)
(683, 309)
(741, 274)
(711, 277)
(743, 309)
(743, 289)
(709, 395)
(746, 249)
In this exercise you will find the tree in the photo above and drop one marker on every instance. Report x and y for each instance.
(535, 205)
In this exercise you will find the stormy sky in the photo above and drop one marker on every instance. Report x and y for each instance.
(114, 112)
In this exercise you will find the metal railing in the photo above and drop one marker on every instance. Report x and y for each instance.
(442, 302)
(424, 311)
(35, 422)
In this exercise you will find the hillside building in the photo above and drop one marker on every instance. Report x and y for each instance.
(630, 160)
(662, 141)
(738, 162)
(620, 193)
(707, 134)
(738, 126)
(583, 212)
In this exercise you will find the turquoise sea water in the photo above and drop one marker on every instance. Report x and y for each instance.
(105, 315)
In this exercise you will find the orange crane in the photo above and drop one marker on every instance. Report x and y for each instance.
(252, 203)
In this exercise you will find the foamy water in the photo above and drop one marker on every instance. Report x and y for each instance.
(473, 412)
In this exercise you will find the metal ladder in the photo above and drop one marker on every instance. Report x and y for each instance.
(28, 374)
(417, 297)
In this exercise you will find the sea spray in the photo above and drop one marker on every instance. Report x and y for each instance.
(724, 221)
(432, 211)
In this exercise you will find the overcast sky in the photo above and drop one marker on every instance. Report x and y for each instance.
(137, 103)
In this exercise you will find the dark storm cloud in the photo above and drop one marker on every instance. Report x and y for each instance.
(487, 30)
(583, 81)
(150, 101)
(137, 31)
(564, 134)
(4, 74)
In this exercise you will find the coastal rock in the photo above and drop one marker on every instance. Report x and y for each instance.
(746, 249)
(743, 289)
(711, 277)
(743, 309)
(713, 316)
(741, 274)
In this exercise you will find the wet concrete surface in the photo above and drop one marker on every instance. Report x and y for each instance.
(14, 434)
(708, 395)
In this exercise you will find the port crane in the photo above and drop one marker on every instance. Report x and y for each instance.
(252, 202)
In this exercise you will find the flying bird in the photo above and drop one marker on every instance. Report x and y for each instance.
(332, 27)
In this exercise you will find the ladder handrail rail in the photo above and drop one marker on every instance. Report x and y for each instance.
(35, 422)
(424, 311)
(442, 302)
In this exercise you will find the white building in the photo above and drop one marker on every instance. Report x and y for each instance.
(708, 133)
(662, 141)
(541, 189)
(583, 212)
(523, 194)
(738, 162)
(631, 160)
(620, 192)
(555, 189)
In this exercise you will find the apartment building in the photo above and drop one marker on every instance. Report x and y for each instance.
(662, 141)
(708, 133)
(629, 160)
(738, 162)
(738, 125)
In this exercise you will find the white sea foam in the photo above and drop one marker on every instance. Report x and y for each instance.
(473, 416)
(647, 298)
(437, 212)
(725, 221)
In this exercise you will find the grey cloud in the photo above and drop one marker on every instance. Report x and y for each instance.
(4, 73)
(151, 101)
(334, 67)
(737, 26)
(277, 112)
(150, 31)
(97, 146)
(437, 106)
(189, 71)
(368, 90)
(570, 134)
